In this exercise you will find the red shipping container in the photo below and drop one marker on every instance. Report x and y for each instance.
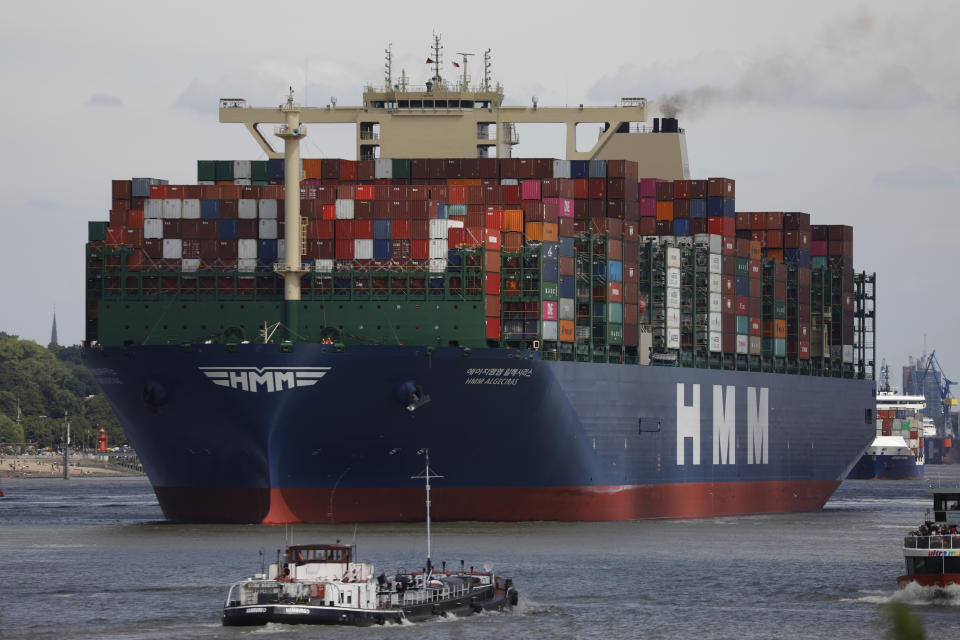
(756, 327)
(714, 225)
(363, 229)
(325, 229)
(160, 191)
(153, 248)
(344, 247)
(366, 170)
(400, 229)
(247, 229)
(457, 194)
(230, 192)
(133, 237)
(134, 218)
(345, 229)
(362, 209)
(774, 220)
(420, 249)
(493, 328)
(455, 236)
(348, 170)
(743, 305)
(365, 192)
(664, 190)
(614, 292)
(494, 218)
(228, 209)
(226, 250)
(171, 229)
(721, 187)
(420, 230)
(491, 284)
(681, 189)
(596, 188)
(511, 194)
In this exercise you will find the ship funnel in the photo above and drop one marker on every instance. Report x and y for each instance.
(656, 125)
(670, 125)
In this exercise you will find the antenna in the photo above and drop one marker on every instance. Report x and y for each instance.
(486, 70)
(463, 56)
(426, 476)
(388, 66)
(437, 58)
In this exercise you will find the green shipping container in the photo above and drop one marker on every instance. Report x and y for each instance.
(776, 347)
(401, 168)
(206, 171)
(743, 267)
(549, 290)
(96, 231)
(779, 310)
(224, 170)
(743, 324)
(615, 334)
(615, 315)
(259, 171)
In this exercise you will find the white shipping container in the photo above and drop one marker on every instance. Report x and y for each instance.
(247, 209)
(716, 263)
(172, 208)
(363, 249)
(383, 168)
(268, 230)
(673, 338)
(673, 318)
(247, 249)
(191, 209)
(152, 228)
(756, 346)
(438, 249)
(172, 249)
(241, 169)
(208, 183)
(673, 298)
(716, 303)
(716, 321)
(344, 209)
(716, 341)
(673, 257)
(437, 265)
(324, 265)
(583, 333)
(247, 265)
(561, 169)
(848, 354)
(743, 344)
(566, 310)
(190, 265)
(242, 182)
(716, 283)
(505, 182)
(684, 241)
(549, 331)
(455, 224)
(673, 277)
(152, 208)
(438, 228)
(267, 208)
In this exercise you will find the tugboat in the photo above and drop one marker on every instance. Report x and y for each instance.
(932, 552)
(324, 584)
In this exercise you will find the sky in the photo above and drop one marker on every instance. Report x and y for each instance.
(849, 111)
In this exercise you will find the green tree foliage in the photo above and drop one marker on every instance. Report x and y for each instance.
(49, 383)
(10, 431)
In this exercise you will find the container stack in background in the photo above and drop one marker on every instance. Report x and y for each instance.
(579, 256)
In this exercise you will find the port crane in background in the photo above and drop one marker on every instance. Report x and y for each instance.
(927, 378)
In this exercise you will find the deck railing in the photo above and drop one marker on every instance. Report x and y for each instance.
(932, 542)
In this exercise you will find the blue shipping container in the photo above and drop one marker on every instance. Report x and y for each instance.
(550, 271)
(568, 287)
(729, 208)
(743, 286)
(441, 211)
(743, 324)
(715, 207)
(615, 269)
(681, 227)
(598, 169)
(228, 229)
(266, 251)
(275, 168)
(454, 258)
(698, 208)
(210, 209)
(567, 249)
(579, 168)
(549, 250)
(381, 229)
(382, 249)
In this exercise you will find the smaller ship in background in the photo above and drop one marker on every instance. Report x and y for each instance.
(896, 452)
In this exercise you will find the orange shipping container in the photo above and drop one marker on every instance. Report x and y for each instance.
(513, 220)
(534, 231)
(491, 306)
(492, 261)
(551, 232)
(311, 168)
(665, 210)
(565, 330)
(512, 241)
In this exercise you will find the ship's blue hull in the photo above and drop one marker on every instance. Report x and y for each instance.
(884, 467)
(258, 434)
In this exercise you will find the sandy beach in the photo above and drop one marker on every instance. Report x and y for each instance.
(52, 467)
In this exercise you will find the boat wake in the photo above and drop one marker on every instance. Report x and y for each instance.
(914, 594)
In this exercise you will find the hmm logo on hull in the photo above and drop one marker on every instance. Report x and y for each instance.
(269, 379)
(724, 424)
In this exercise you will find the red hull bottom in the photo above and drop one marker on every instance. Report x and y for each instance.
(494, 504)
(930, 579)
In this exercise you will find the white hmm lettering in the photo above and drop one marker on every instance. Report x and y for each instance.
(281, 378)
(238, 380)
(758, 429)
(257, 378)
(688, 423)
(724, 425)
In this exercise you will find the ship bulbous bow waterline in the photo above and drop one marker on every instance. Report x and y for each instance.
(318, 433)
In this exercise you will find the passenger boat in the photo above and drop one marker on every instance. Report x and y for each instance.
(324, 584)
(932, 552)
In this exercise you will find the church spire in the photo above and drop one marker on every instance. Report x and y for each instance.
(53, 332)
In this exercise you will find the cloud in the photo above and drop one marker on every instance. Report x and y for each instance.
(104, 100)
(915, 177)
(853, 63)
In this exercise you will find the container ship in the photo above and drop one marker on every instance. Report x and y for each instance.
(598, 337)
